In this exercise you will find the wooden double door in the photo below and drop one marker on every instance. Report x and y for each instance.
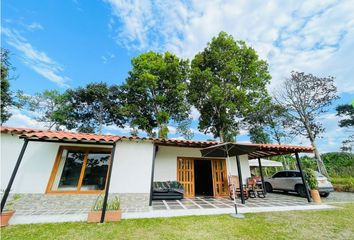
(186, 175)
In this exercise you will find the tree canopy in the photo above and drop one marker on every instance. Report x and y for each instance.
(228, 82)
(155, 92)
(6, 96)
(49, 107)
(306, 97)
(94, 106)
(346, 111)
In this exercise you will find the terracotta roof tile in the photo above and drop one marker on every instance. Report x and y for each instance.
(70, 136)
(13, 130)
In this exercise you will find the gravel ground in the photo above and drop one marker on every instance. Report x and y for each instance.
(339, 197)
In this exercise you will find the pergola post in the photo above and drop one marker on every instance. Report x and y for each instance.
(104, 207)
(13, 175)
(261, 172)
(155, 149)
(240, 178)
(302, 176)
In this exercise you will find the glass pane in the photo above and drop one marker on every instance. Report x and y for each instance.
(96, 171)
(69, 170)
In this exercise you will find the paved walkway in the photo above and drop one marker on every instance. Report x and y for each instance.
(199, 206)
(271, 200)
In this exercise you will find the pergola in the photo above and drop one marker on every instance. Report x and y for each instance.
(256, 151)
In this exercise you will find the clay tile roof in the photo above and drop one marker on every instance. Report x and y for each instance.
(70, 136)
(13, 130)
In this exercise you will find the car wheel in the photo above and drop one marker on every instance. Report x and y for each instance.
(301, 190)
(268, 187)
(324, 194)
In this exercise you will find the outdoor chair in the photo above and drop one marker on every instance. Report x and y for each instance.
(254, 189)
(235, 181)
(168, 190)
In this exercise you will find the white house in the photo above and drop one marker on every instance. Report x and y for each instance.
(57, 172)
(58, 167)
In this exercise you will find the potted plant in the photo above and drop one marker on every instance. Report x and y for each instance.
(9, 211)
(113, 212)
(313, 185)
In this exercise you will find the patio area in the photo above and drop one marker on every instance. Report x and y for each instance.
(272, 200)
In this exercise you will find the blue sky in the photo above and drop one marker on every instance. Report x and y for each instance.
(65, 44)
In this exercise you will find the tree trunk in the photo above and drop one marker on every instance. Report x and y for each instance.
(221, 135)
(320, 164)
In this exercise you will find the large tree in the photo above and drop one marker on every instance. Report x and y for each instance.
(6, 96)
(228, 82)
(48, 107)
(270, 123)
(306, 97)
(93, 107)
(347, 111)
(155, 92)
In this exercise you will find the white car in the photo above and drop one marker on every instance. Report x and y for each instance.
(290, 181)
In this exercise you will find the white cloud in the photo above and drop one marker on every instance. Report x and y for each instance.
(37, 60)
(34, 26)
(194, 114)
(308, 36)
(22, 120)
(107, 57)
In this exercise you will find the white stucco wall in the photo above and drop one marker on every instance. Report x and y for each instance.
(131, 172)
(166, 163)
(36, 166)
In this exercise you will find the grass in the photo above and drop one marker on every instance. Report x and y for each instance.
(345, 184)
(320, 224)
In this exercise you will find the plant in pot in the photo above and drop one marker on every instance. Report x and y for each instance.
(9, 211)
(113, 212)
(313, 185)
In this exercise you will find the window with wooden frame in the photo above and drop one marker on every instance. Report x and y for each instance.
(80, 170)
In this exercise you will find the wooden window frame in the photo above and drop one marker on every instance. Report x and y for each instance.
(86, 150)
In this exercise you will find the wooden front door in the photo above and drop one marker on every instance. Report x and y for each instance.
(220, 182)
(185, 175)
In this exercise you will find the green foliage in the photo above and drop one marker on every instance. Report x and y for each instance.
(347, 111)
(258, 135)
(228, 82)
(273, 122)
(183, 128)
(339, 163)
(6, 96)
(112, 204)
(49, 107)
(94, 106)
(10, 203)
(155, 92)
(345, 184)
(311, 178)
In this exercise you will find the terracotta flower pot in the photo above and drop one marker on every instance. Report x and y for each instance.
(316, 196)
(111, 216)
(5, 217)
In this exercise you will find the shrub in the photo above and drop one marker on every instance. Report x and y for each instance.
(112, 204)
(311, 178)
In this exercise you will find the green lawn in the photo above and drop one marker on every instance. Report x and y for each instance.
(320, 224)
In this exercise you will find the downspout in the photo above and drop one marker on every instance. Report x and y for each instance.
(104, 207)
(13, 175)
